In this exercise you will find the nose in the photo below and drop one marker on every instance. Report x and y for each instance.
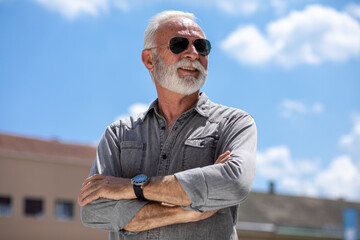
(191, 52)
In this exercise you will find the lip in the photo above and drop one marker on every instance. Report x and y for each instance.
(186, 68)
(188, 71)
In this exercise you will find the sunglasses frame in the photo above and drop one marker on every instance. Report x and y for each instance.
(171, 46)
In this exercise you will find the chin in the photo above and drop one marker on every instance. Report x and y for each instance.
(186, 86)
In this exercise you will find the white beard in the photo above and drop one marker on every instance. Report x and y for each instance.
(168, 77)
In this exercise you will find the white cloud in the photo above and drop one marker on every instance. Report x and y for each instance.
(341, 178)
(311, 36)
(351, 141)
(291, 108)
(353, 9)
(277, 162)
(134, 110)
(73, 8)
(247, 45)
(274, 161)
(338, 179)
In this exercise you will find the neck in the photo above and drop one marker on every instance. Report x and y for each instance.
(172, 104)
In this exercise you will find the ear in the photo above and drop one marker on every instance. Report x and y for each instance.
(147, 58)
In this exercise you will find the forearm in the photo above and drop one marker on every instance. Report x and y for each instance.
(166, 189)
(154, 215)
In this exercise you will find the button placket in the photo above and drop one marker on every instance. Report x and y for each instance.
(169, 141)
(161, 170)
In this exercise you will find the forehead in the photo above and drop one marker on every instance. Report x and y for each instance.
(180, 27)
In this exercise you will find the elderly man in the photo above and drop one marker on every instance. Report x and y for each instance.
(179, 170)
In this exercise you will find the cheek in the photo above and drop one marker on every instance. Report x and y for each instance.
(169, 58)
(204, 62)
(172, 61)
(165, 53)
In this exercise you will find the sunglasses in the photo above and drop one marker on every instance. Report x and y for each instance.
(180, 44)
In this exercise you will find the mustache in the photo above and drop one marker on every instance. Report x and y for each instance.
(187, 63)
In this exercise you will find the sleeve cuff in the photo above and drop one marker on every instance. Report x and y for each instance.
(194, 184)
(124, 211)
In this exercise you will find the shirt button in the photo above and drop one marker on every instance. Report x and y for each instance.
(163, 127)
(163, 156)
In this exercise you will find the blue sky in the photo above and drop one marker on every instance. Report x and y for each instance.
(70, 68)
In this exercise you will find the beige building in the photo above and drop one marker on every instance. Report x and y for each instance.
(40, 181)
(39, 184)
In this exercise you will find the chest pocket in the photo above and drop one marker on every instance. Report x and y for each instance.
(132, 158)
(199, 152)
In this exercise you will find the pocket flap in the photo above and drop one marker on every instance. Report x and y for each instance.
(201, 142)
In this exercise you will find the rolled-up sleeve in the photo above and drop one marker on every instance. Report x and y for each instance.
(108, 214)
(228, 184)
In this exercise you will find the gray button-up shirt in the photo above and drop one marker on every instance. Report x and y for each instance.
(142, 144)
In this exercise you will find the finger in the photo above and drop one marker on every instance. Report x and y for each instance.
(224, 154)
(223, 157)
(89, 195)
(89, 198)
(92, 178)
(90, 185)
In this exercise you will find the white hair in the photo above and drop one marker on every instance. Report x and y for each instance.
(150, 32)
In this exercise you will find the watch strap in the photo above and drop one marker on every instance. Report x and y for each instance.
(139, 192)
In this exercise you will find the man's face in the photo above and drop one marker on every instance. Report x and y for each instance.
(185, 72)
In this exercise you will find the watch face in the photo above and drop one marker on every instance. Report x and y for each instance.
(139, 179)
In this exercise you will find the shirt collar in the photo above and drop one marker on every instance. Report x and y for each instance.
(201, 106)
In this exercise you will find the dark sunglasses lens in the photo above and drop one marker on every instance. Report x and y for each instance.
(178, 44)
(203, 46)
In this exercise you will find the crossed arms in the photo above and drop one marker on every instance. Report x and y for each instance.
(109, 202)
(166, 193)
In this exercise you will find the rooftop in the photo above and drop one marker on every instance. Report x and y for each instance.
(294, 211)
(20, 144)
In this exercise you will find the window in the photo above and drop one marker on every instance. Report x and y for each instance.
(64, 210)
(34, 207)
(5, 206)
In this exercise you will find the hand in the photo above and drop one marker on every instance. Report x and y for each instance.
(223, 157)
(197, 216)
(99, 186)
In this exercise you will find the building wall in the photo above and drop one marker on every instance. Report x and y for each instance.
(50, 179)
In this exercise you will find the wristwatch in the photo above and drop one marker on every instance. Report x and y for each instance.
(138, 183)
